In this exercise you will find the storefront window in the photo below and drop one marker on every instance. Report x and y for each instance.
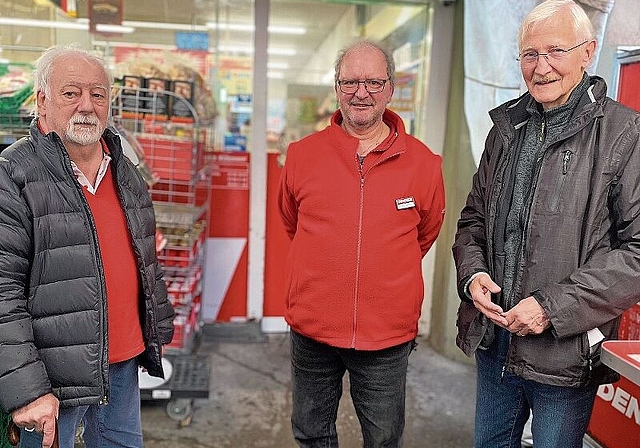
(301, 94)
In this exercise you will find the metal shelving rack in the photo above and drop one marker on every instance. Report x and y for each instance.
(177, 153)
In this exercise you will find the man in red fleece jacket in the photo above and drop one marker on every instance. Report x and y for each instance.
(362, 202)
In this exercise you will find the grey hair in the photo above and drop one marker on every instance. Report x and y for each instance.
(391, 65)
(582, 26)
(44, 67)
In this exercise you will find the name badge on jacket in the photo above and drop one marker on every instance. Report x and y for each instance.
(405, 203)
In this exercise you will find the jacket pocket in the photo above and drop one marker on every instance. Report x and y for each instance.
(471, 328)
(563, 172)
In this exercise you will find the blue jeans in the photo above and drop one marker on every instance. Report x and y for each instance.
(377, 379)
(116, 424)
(560, 414)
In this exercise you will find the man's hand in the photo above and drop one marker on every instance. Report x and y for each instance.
(481, 288)
(527, 317)
(39, 415)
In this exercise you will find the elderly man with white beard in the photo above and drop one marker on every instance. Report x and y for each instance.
(83, 301)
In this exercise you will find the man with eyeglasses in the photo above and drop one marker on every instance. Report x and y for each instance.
(548, 245)
(363, 202)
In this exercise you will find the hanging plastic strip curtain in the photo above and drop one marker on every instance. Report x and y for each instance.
(492, 74)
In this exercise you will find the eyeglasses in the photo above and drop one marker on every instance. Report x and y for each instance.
(350, 86)
(556, 54)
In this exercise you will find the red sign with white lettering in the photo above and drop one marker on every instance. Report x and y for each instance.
(616, 415)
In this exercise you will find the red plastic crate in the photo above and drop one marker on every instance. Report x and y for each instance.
(185, 325)
(171, 158)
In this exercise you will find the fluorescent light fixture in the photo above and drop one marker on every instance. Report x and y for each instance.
(44, 23)
(165, 26)
(241, 49)
(297, 30)
(80, 24)
(103, 43)
(278, 65)
(275, 75)
(247, 49)
(117, 29)
(129, 26)
(246, 27)
(281, 51)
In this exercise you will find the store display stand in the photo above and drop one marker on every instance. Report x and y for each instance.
(174, 154)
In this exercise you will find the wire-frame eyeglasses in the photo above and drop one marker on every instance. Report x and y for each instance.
(350, 86)
(531, 57)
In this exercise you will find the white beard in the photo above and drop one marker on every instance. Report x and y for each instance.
(84, 137)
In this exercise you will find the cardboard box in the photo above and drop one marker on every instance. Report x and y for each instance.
(182, 103)
(132, 98)
(156, 99)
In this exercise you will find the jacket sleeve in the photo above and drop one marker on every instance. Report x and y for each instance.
(431, 219)
(165, 310)
(470, 244)
(608, 283)
(23, 377)
(287, 204)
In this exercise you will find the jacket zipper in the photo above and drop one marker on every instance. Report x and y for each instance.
(360, 165)
(98, 259)
(358, 252)
(543, 129)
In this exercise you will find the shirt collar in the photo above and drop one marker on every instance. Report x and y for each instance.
(102, 171)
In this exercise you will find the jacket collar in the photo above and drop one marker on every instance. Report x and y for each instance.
(397, 136)
(51, 150)
(513, 114)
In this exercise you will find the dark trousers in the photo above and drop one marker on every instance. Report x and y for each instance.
(377, 379)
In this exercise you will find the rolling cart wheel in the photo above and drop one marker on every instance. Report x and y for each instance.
(179, 409)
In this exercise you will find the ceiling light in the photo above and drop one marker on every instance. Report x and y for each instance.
(278, 65)
(281, 51)
(165, 26)
(129, 26)
(275, 29)
(80, 24)
(298, 30)
(114, 29)
(246, 49)
(44, 23)
(106, 44)
(240, 49)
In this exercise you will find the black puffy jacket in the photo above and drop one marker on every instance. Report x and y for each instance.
(53, 308)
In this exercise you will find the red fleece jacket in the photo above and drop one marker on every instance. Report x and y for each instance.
(354, 271)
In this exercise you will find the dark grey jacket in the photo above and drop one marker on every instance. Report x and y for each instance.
(53, 312)
(581, 255)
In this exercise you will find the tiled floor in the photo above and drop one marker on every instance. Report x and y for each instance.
(249, 402)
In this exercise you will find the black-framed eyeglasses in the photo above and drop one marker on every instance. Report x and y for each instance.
(350, 86)
(531, 57)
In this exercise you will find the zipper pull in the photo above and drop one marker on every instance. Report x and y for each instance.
(565, 162)
(542, 130)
